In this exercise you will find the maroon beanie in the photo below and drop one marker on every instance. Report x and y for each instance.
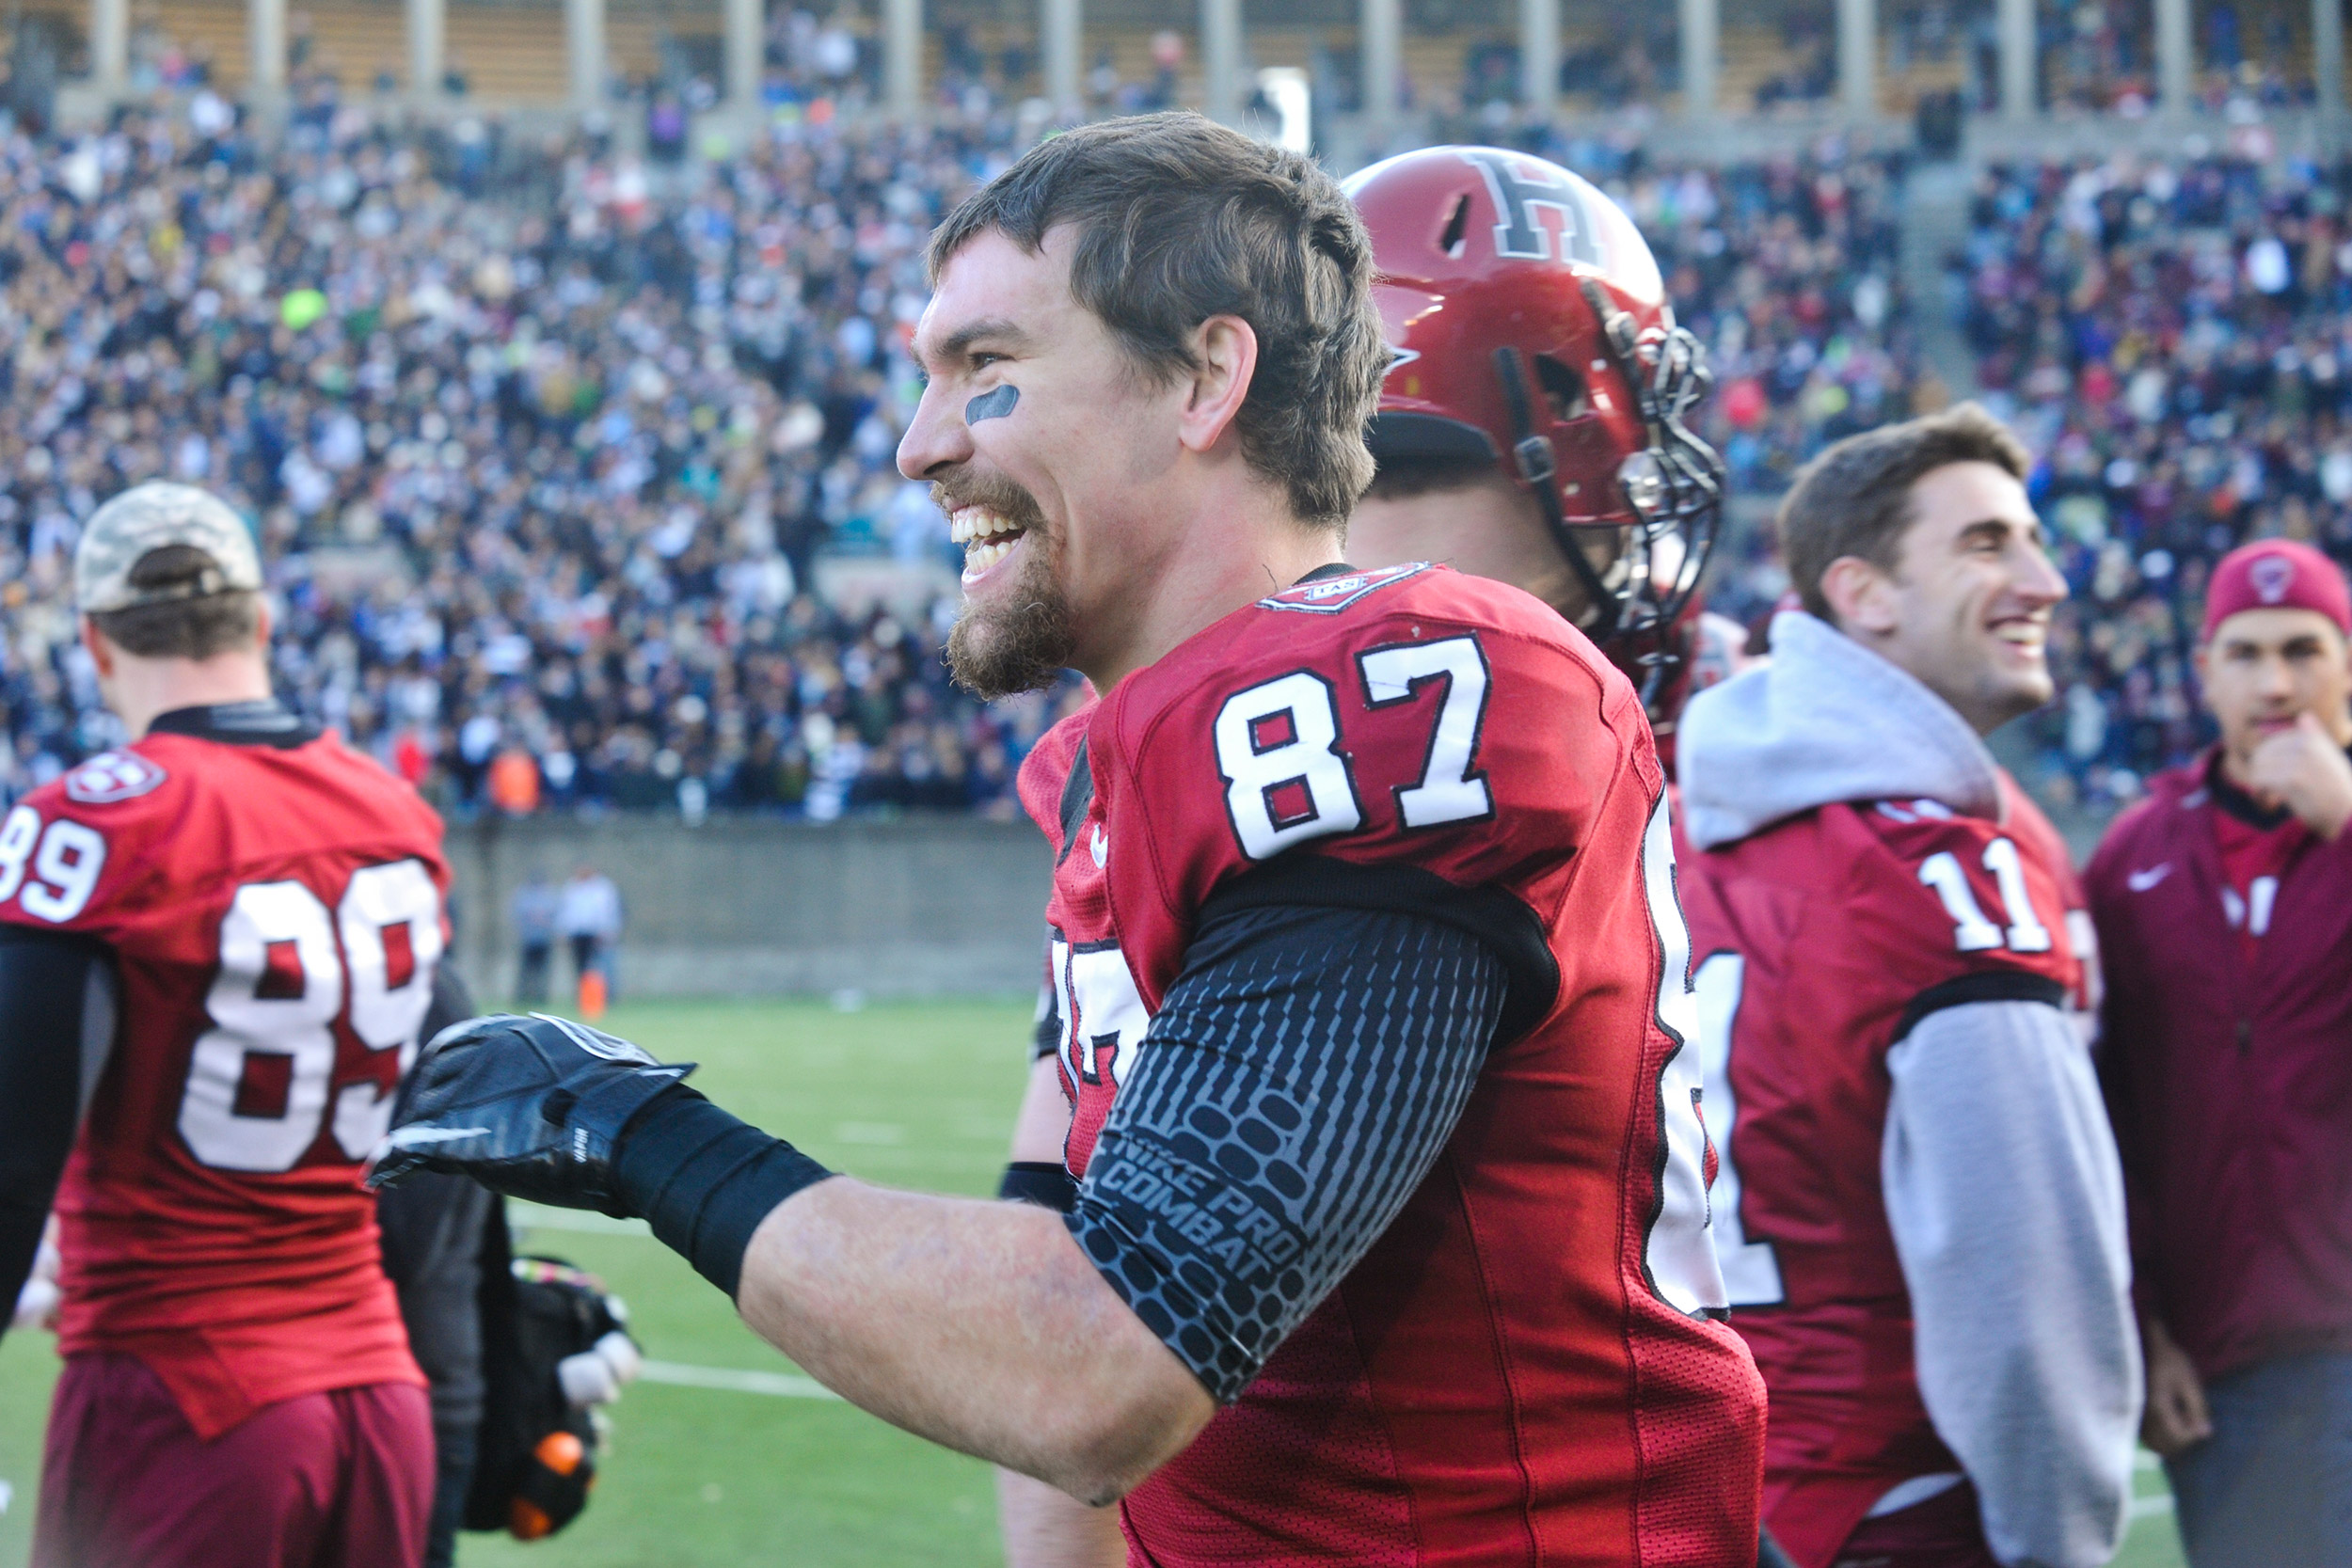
(2276, 574)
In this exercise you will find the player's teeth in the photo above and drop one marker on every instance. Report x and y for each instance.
(982, 554)
(968, 523)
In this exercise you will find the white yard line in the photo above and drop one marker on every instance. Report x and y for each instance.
(782, 1385)
(2143, 1506)
(539, 1216)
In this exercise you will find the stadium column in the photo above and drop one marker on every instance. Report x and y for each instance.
(1220, 60)
(1383, 36)
(111, 45)
(2014, 25)
(2174, 65)
(2327, 68)
(1057, 26)
(902, 57)
(428, 28)
(265, 32)
(1701, 45)
(1859, 58)
(583, 49)
(746, 57)
(1539, 57)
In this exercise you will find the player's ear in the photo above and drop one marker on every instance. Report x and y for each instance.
(263, 623)
(1860, 596)
(1225, 360)
(102, 652)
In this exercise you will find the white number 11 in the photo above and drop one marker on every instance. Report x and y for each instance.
(1974, 932)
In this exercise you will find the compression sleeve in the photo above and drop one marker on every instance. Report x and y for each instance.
(2005, 1202)
(57, 1008)
(1299, 1081)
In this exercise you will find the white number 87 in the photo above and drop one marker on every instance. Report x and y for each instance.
(1286, 780)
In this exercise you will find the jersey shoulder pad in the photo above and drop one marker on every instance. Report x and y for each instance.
(1415, 716)
(70, 846)
(1045, 777)
(1947, 895)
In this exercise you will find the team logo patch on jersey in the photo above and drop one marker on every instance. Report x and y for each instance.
(1330, 595)
(112, 776)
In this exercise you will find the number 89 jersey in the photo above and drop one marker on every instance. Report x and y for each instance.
(1526, 1366)
(273, 909)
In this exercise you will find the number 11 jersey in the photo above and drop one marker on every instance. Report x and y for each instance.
(271, 903)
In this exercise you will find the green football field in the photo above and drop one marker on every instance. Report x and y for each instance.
(723, 1455)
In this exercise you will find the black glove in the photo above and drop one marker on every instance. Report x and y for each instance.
(532, 1107)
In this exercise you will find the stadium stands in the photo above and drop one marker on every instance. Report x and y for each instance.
(557, 467)
(2169, 339)
(572, 462)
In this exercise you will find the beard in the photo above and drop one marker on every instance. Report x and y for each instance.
(1019, 639)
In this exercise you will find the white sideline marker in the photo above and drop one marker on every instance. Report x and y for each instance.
(782, 1385)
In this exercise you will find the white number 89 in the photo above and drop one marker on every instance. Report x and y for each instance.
(63, 864)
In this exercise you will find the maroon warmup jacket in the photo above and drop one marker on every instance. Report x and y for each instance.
(2231, 1087)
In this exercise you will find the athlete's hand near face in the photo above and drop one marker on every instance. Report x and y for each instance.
(2303, 769)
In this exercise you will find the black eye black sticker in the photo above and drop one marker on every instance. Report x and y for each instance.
(991, 405)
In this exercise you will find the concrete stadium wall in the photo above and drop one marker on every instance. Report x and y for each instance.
(749, 907)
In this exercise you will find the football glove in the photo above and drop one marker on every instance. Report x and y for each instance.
(532, 1107)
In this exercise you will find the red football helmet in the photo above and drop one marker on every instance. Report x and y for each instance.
(1529, 326)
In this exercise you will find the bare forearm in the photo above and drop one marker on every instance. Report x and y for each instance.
(978, 1325)
(1043, 1528)
(1043, 1124)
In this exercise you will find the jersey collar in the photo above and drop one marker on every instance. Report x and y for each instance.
(262, 722)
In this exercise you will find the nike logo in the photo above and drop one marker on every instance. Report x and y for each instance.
(1100, 847)
(2141, 881)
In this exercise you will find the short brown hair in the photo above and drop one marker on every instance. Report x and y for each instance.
(1855, 497)
(1180, 219)
(193, 627)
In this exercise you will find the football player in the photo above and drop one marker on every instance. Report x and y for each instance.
(1386, 1236)
(1531, 425)
(216, 946)
(1531, 422)
(1918, 1207)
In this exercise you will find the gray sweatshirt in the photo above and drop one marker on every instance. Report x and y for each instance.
(2002, 1184)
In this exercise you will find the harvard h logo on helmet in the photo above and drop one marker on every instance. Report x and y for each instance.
(1523, 189)
(1528, 327)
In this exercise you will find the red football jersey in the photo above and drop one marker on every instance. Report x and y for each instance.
(275, 914)
(1814, 939)
(1525, 1367)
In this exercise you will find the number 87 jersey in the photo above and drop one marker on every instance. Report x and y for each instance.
(270, 904)
(1527, 1365)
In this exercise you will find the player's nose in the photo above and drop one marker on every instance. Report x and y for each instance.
(937, 438)
(2036, 579)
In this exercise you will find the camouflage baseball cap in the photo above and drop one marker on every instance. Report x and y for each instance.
(148, 517)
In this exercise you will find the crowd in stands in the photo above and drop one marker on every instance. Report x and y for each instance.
(579, 480)
(2174, 341)
(543, 474)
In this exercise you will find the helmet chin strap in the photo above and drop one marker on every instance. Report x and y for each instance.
(1539, 468)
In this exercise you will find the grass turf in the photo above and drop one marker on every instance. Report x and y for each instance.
(917, 1094)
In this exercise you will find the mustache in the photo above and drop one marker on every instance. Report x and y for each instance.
(998, 494)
